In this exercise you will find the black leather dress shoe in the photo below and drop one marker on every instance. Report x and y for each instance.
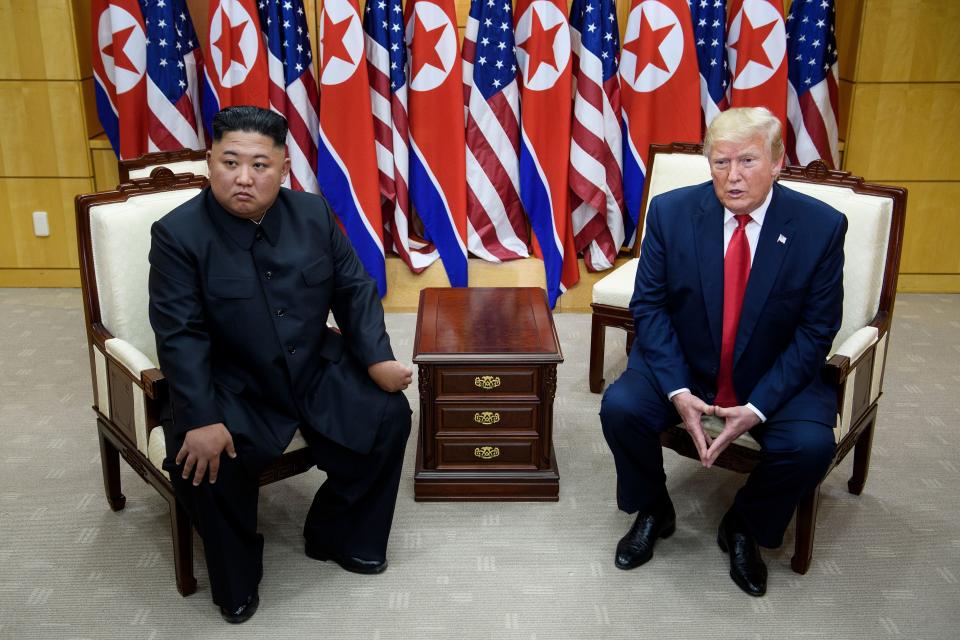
(242, 613)
(746, 564)
(636, 547)
(349, 563)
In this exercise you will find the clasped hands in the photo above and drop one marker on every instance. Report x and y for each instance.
(736, 422)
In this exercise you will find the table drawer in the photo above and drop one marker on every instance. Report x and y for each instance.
(519, 419)
(484, 382)
(501, 453)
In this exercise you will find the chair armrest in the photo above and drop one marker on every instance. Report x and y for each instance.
(137, 364)
(849, 353)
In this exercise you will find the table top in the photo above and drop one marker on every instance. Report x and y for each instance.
(483, 324)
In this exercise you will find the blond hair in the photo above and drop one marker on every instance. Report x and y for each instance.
(740, 124)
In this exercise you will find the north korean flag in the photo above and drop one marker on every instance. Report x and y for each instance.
(235, 63)
(756, 54)
(659, 86)
(119, 70)
(438, 187)
(347, 161)
(543, 53)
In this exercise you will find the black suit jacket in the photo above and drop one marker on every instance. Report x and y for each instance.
(240, 316)
(791, 310)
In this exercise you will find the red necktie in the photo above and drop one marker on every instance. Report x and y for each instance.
(736, 271)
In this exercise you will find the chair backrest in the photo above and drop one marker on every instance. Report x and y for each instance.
(875, 215)
(183, 161)
(113, 231)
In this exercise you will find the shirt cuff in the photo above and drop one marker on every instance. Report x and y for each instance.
(673, 393)
(760, 415)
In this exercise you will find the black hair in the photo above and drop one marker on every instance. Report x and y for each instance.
(252, 120)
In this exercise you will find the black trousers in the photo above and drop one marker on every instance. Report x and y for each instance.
(352, 512)
(794, 457)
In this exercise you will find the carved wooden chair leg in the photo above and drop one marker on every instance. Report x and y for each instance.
(597, 344)
(806, 525)
(182, 548)
(861, 457)
(630, 336)
(110, 460)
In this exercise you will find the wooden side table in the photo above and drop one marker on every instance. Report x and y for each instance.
(487, 361)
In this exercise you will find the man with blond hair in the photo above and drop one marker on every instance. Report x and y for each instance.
(738, 297)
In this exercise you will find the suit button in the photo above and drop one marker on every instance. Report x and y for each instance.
(268, 275)
(258, 235)
(291, 350)
(281, 312)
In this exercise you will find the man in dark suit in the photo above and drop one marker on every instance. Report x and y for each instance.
(242, 279)
(738, 297)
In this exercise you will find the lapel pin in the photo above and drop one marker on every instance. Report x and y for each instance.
(782, 239)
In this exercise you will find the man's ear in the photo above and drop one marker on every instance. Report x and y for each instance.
(285, 171)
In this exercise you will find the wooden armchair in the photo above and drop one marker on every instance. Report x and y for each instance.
(875, 214)
(113, 233)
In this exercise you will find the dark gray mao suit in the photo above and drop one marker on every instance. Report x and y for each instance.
(240, 315)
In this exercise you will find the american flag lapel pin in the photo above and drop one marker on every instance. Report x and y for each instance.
(782, 239)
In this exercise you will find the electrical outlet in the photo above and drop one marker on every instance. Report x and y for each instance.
(41, 226)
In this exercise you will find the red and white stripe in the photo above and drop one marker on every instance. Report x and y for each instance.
(496, 223)
(176, 126)
(391, 134)
(596, 161)
(298, 104)
(813, 119)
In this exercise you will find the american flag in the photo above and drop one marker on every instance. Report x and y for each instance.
(173, 90)
(386, 53)
(293, 87)
(710, 33)
(496, 224)
(812, 96)
(596, 148)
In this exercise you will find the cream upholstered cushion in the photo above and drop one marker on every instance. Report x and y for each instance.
(120, 235)
(865, 250)
(196, 167)
(616, 288)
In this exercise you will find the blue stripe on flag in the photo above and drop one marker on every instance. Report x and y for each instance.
(536, 200)
(108, 117)
(209, 105)
(633, 180)
(335, 186)
(438, 220)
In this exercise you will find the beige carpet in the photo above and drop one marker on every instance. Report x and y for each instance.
(886, 564)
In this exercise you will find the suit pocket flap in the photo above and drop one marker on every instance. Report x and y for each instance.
(318, 271)
(221, 287)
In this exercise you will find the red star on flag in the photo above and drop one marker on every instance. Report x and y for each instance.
(750, 35)
(228, 35)
(331, 44)
(539, 46)
(646, 46)
(120, 58)
(424, 46)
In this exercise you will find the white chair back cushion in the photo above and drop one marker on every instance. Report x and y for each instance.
(865, 249)
(196, 167)
(120, 237)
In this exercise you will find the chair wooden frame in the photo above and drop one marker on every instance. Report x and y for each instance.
(116, 422)
(124, 167)
(839, 369)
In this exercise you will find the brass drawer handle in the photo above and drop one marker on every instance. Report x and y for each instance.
(486, 453)
(486, 417)
(486, 382)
